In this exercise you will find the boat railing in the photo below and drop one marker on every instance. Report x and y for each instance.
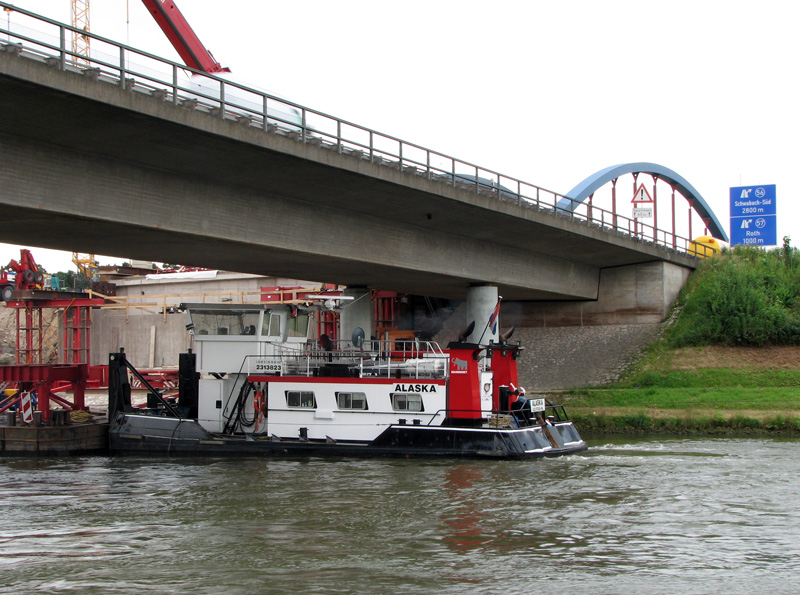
(372, 358)
(554, 414)
(557, 412)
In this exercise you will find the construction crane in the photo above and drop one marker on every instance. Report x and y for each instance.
(80, 43)
(182, 37)
(172, 23)
(86, 263)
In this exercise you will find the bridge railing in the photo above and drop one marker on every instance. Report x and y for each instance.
(138, 71)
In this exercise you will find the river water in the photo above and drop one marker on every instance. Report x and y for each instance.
(630, 516)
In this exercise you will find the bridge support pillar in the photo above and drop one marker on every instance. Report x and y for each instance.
(481, 302)
(356, 313)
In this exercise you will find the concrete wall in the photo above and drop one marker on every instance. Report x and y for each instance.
(634, 294)
(200, 286)
(578, 356)
(576, 344)
(150, 337)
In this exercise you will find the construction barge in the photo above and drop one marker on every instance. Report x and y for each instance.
(257, 385)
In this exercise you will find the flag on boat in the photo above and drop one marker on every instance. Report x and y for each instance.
(493, 318)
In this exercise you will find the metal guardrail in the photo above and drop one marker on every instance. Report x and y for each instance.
(402, 360)
(251, 107)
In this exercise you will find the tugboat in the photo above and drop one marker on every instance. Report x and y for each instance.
(255, 384)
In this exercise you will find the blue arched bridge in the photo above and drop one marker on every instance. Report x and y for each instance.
(586, 189)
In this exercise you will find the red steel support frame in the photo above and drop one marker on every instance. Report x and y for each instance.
(614, 201)
(40, 378)
(635, 221)
(384, 309)
(674, 233)
(31, 353)
(76, 323)
(30, 373)
(655, 209)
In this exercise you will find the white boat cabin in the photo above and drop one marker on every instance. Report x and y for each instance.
(262, 375)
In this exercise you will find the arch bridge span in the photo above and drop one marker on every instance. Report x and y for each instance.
(586, 189)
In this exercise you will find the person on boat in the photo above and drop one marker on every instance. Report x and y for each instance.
(326, 344)
(520, 409)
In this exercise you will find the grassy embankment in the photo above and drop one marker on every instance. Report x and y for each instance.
(730, 363)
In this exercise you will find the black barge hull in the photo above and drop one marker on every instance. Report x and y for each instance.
(150, 435)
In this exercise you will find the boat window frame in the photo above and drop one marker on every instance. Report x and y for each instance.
(395, 398)
(350, 394)
(292, 322)
(301, 394)
(271, 325)
(202, 326)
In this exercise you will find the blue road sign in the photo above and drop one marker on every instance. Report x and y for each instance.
(754, 220)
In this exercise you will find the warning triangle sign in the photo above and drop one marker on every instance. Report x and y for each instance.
(642, 195)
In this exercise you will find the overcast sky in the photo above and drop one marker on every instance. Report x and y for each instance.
(545, 91)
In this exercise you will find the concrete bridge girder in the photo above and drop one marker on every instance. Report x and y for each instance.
(92, 167)
(235, 228)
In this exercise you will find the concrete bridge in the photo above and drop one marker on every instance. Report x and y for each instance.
(103, 161)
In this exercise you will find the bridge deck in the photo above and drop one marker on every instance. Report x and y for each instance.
(90, 166)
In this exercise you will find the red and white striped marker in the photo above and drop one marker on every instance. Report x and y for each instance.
(27, 407)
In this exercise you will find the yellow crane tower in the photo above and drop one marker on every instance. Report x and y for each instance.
(80, 20)
(87, 265)
(80, 47)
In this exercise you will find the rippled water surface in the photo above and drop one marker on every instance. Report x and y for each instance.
(667, 516)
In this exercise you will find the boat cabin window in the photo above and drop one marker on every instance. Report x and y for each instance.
(297, 326)
(300, 398)
(351, 400)
(271, 326)
(225, 322)
(407, 402)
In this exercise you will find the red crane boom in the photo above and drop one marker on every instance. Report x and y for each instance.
(182, 37)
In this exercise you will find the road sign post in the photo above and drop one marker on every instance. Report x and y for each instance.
(754, 216)
(642, 203)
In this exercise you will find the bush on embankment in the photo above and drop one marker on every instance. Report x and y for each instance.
(744, 296)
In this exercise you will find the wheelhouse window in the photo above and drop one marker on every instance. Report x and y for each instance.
(297, 325)
(300, 398)
(346, 400)
(406, 402)
(271, 325)
(225, 322)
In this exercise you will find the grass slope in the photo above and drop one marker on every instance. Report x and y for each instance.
(729, 363)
